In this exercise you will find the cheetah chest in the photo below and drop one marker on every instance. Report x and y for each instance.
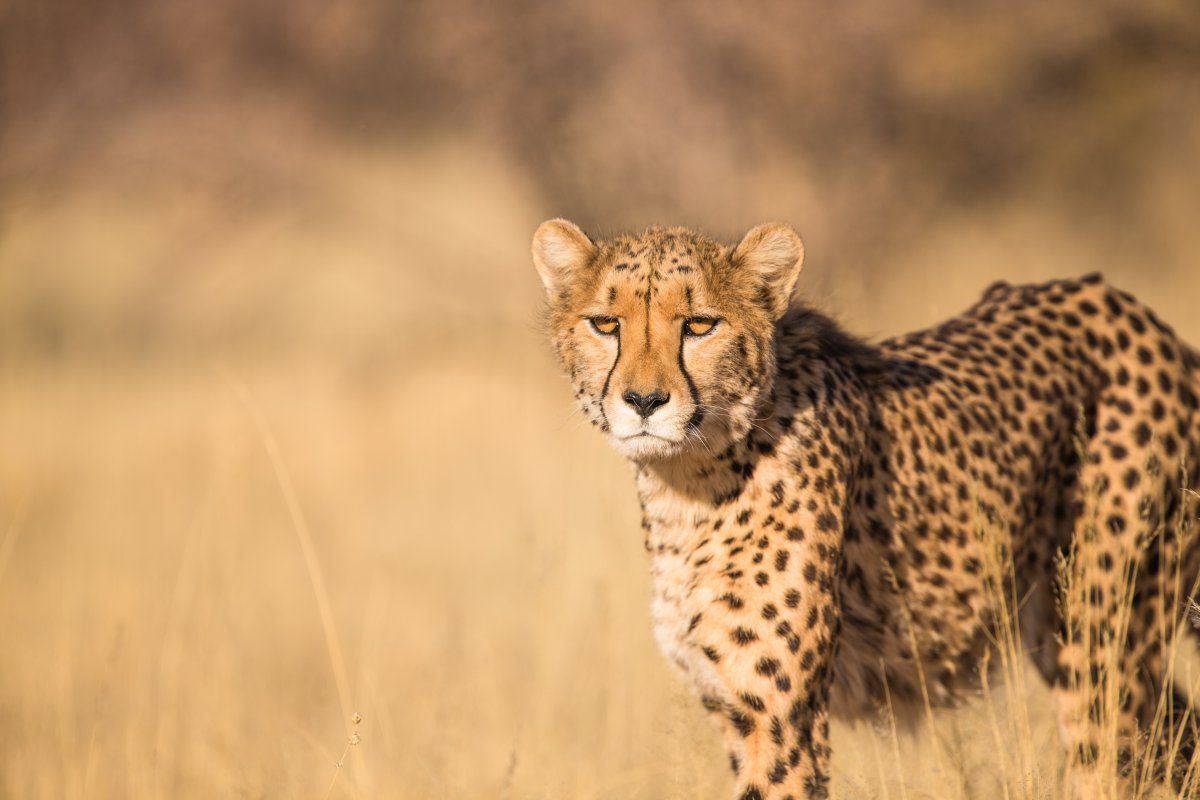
(681, 600)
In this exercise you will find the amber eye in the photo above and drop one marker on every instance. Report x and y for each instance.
(699, 326)
(605, 326)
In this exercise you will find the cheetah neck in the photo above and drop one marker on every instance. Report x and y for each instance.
(683, 494)
(673, 499)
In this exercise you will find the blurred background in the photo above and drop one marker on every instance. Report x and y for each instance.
(280, 440)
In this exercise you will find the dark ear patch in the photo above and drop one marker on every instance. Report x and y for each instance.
(560, 251)
(774, 254)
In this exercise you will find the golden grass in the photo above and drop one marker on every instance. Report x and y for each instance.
(268, 463)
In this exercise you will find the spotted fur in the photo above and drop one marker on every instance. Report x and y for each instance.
(825, 517)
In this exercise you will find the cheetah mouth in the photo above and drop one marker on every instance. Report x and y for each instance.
(647, 435)
(645, 445)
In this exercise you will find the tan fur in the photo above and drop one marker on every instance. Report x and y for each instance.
(813, 504)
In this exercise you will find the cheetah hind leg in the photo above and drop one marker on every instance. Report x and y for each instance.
(1175, 723)
(1108, 627)
(1168, 724)
(1171, 568)
(1122, 716)
(1168, 721)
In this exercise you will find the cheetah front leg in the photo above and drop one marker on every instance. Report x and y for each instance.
(777, 677)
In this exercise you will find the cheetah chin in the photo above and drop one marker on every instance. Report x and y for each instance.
(827, 519)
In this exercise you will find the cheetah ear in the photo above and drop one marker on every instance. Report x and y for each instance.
(560, 251)
(774, 253)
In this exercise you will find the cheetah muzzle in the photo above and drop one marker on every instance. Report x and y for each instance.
(813, 504)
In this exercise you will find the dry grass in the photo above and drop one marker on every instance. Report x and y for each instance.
(271, 459)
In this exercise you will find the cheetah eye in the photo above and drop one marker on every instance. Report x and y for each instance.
(605, 326)
(699, 326)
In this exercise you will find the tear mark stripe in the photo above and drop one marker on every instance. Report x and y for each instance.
(693, 424)
(608, 377)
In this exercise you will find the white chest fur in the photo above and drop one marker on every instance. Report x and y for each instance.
(683, 593)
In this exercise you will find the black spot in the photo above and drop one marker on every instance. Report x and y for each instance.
(742, 636)
(1114, 305)
(732, 600)
(744, 723)
(777, 731)
(1187, 396)
(1131, 478)
(754, 702)
(1142, 434)
(767, 666)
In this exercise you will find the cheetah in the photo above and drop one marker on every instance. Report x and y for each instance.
(827, 519)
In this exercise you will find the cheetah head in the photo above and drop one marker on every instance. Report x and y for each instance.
(668, 337)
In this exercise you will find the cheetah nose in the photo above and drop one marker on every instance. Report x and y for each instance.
(645, 403)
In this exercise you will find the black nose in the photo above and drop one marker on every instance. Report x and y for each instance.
(645, 403)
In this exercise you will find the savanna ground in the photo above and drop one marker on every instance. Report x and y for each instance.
(281, 442)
